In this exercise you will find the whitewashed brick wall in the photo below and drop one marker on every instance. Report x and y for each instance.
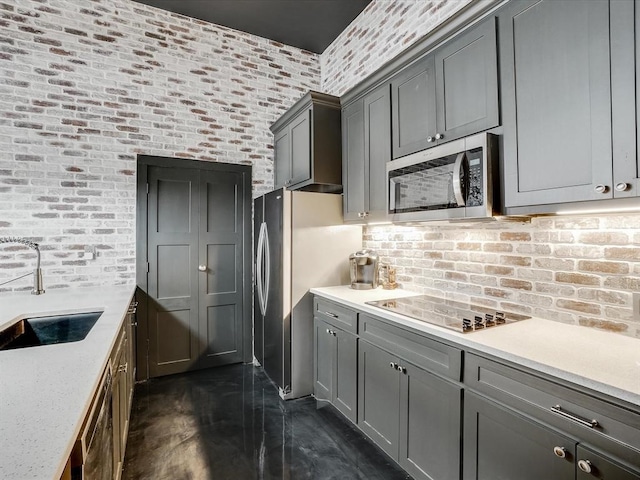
(581, 270)
(383, 30)
(85, 86)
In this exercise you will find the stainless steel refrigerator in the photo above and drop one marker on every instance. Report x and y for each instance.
(300, 242)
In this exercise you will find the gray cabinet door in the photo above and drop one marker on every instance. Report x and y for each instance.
(602, 467)
(323, 355)
(282, 160)
(500, 444)
(413, 112)
(625, 102)
(467, 83)
(557, 101)
(345, 374)
(353, 161)
(300, 133)
(430, 425)
(377, 149)
(379, 397)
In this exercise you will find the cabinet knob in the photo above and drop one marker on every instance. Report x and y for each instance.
(439, 136)
(585, 466)
(202, 268)
(622, 187)
(402, 369)
(600, 188)
(328, 331)
(393, 365)
(430, 139)
(560, 452)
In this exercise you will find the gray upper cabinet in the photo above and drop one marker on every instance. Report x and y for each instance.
(307, 145)
(625, 106)
(467, 83)
(413, 108)
(556, 93)
(366, 127)
(448, 94)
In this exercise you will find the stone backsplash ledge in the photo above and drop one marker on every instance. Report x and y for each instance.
(581, 270)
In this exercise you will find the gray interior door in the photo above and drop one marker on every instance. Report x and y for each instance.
(194, 230)
(220, 286)
(173, 237)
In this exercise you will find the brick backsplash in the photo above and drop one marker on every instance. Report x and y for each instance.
(85, 86)
(573, 269)
(581, 270)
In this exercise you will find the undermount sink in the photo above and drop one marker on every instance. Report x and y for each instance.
(36, 331)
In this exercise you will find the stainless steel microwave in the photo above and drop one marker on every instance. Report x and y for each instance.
(451, 181)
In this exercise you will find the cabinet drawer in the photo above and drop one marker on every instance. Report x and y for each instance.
(335, 314)
(567, 409)
(418, 349)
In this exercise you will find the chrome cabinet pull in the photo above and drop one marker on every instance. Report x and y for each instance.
(585, 466)
(202, 268)
(402, 369)
(329, 314)
(439, 136)
(622, 186)
(430, 139)
(393, 365)
(560, 452)
(587, 423)
(600, 188)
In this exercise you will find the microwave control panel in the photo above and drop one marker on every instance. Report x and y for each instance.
(475, 195)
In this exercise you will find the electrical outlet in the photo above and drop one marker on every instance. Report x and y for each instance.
(635, 298)
(89, 252)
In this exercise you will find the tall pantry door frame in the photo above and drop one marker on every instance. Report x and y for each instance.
(222, 290)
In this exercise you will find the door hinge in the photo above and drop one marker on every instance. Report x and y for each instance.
(147, 267)
(147, 189)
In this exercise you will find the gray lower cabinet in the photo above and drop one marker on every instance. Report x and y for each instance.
(307, 145)
(413, 415)
(335, 367)
(556, 93)
(448, 94)
(498, 443)
(366, 130)
(592, 465)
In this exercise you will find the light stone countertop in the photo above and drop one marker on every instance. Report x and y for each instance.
(45, 391)
(605, 362)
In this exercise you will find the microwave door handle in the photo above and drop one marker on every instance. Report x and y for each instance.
(457, 184)
(392, 196)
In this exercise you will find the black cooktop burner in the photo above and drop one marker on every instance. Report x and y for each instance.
(458, 316)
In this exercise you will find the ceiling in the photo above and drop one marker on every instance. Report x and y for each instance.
(308, 24)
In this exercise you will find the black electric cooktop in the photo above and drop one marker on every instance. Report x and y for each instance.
(452, 314)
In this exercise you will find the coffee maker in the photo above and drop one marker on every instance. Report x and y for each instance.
(363, 266)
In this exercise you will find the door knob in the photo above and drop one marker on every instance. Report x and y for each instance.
(560, 452)
(622, 186)
(584, 465)
(601, 188)
(439, 136)
(202, 268)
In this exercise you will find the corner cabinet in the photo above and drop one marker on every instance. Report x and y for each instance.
(366, 132)
(447, 94)
(568, 86)
(307, 145)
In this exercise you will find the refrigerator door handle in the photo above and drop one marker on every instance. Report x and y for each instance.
(267, 255)
(259, 262)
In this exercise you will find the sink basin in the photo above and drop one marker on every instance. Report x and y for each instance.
(36, 331)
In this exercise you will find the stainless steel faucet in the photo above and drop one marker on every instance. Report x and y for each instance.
(37, 273)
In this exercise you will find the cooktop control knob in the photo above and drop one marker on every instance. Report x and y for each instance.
(479, 322)
(500, 317)
(488, 320)
(466, 325)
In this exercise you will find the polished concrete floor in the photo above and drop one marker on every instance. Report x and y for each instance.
(229, 423)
